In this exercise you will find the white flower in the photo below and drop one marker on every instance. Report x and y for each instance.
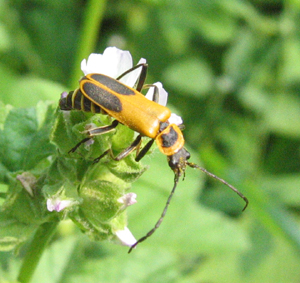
(127, 200)
(113, 63)
(57, 204)
(125, 237)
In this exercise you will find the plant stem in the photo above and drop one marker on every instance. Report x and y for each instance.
(89, 34)
(35, 250)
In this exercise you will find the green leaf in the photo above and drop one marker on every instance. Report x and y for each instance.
(23, 141)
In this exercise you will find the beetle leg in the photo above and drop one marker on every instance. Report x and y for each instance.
(96, 160)
(79, 144)
(102, 130)
(141, 80)
(95, 132)
(155, 97)
(136, 143)
(144, 150)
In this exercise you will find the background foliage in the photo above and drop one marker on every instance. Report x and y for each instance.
(232, 71)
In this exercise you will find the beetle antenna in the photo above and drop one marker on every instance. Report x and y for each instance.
(176, 179)
(193, 165)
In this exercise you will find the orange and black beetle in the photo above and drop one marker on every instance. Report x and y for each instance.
(99, 93)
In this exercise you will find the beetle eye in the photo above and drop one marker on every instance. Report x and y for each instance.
(173, 162)
(187, 155)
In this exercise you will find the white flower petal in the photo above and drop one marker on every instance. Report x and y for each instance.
(175, 119)
(125, 237)
(94, 64)
(116, 61)
(113, 62)
(163, 95)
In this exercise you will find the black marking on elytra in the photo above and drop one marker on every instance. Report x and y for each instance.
(102, 97)
(112, 84)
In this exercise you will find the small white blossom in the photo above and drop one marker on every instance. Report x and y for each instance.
(57, 204)
(125, 237)
(127, 200)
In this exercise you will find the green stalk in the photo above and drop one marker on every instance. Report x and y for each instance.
(88, 37)
(35, 250)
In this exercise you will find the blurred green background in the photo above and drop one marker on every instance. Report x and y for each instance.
(232, 70)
